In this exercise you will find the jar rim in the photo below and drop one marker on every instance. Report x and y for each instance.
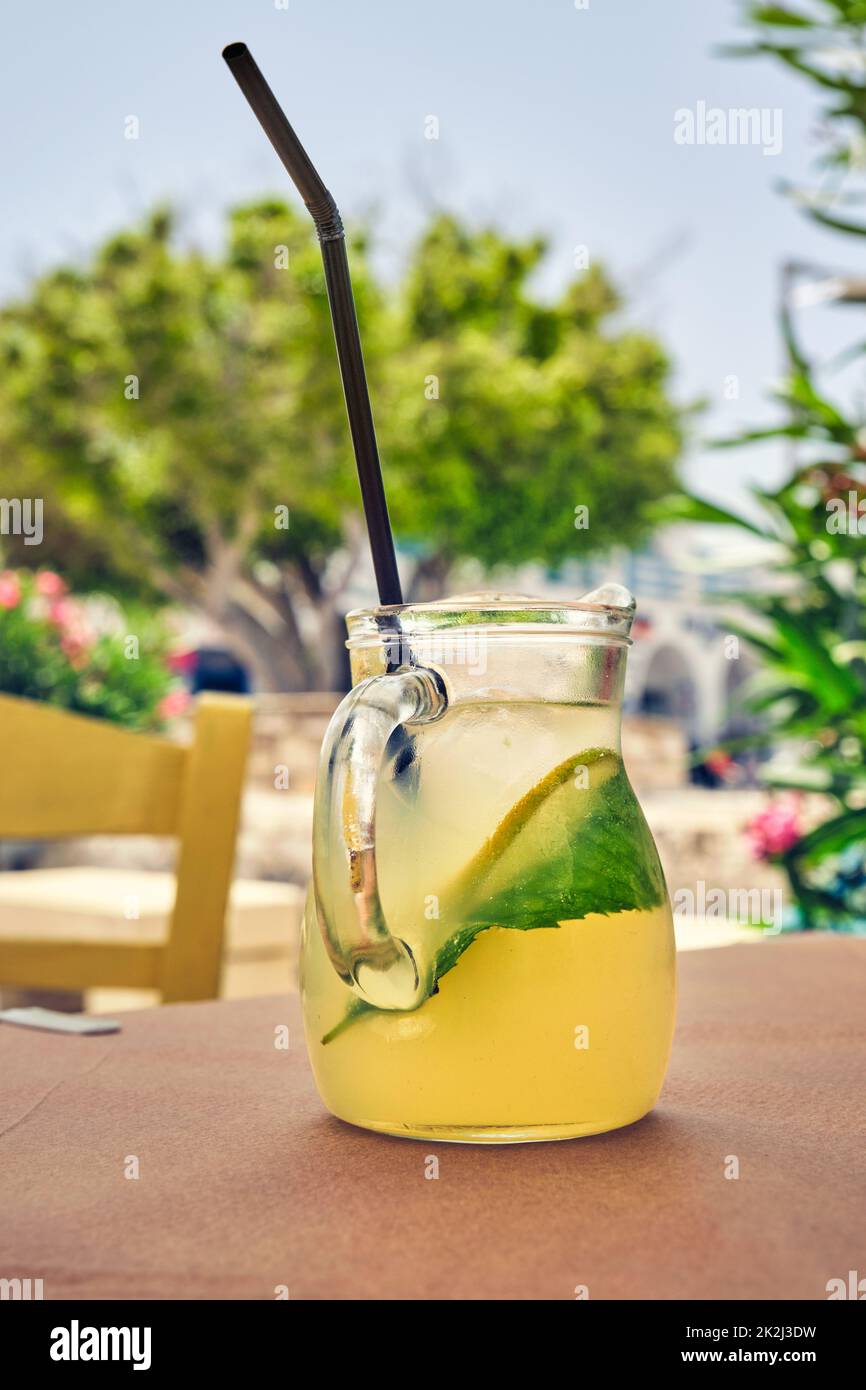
(605, 613)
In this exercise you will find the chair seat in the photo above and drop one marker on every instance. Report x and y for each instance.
(134, 905)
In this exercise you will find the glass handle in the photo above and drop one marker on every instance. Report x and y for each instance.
(380, 967)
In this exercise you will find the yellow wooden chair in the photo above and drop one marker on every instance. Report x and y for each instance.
(65, 775)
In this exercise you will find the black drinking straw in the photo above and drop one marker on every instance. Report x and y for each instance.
(329, 226)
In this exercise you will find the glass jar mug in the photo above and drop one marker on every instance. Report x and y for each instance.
(487, 952)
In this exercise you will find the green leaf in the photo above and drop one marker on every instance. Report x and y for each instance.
(800, 391)
(685, 506)
(836, 224)
(799, 431)
(837, 687)
(778, 15)
(831, 837)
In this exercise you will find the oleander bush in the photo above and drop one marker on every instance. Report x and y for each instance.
(55, 647)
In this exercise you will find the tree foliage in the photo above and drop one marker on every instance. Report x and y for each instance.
(175, 409)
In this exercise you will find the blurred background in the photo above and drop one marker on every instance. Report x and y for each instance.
(607, 259)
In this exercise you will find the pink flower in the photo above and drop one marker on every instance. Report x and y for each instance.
(50, 585)
(62, 612)
(181, 663)
(776, 829)
(76, 638)
(176, 702)
(74, 647)
(10, 589)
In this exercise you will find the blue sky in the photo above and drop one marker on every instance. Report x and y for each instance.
(552, 119)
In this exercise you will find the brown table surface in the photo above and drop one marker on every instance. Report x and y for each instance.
(246, 1183)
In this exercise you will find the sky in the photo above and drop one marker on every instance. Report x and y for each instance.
(553, 118)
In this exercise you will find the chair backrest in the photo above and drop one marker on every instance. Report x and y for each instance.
(65, 774)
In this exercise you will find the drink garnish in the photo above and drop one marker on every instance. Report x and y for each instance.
(576, 844)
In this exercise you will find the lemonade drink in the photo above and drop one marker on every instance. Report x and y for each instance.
(511, 850)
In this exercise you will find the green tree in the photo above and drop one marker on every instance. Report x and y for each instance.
(541, 408)
(182, 417)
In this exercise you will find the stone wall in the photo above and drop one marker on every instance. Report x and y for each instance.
(287, 735)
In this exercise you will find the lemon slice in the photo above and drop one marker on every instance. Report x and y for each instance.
(550, 811)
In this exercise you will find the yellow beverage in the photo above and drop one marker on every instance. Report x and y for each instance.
(490, 824)
(535, 1035)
